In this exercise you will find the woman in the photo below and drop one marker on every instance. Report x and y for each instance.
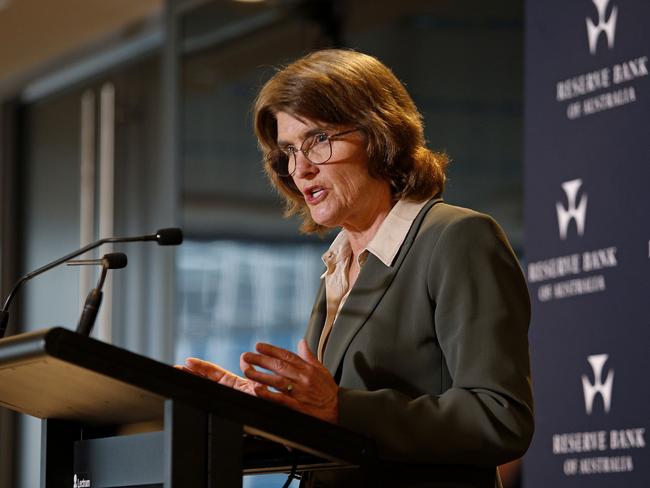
(418, 338)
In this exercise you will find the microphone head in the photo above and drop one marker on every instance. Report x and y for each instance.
(172, 236)
(114, 260)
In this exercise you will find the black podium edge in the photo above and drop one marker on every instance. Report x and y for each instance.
(259, 417)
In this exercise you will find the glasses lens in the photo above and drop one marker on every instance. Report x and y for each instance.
(281, 162)
(317, 148)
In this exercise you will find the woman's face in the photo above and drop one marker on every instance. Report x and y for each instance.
(340, 192)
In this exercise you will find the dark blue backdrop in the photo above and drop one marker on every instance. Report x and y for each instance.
(587, 164)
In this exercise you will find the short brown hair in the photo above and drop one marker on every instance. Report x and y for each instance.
(344, 87)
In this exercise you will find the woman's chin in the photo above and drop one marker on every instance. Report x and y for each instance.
(324, 219)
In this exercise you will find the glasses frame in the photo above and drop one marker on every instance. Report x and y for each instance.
(291, 151)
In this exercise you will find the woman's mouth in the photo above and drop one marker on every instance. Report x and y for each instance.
(314, 194)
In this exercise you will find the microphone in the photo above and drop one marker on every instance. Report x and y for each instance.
(171, 236)
(114, 260)
(164, 237)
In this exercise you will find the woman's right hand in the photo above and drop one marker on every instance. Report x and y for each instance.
(213, 372)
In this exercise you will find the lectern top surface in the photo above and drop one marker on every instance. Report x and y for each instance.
(58, 374)
(47, 387)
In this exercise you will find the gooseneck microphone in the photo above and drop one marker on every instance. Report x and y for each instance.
(164, 237)
(114, 260)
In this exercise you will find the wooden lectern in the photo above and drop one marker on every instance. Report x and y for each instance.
(112, 418)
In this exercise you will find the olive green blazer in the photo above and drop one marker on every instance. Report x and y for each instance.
(431, 354)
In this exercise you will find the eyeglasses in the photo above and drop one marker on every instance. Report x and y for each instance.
(317, 149)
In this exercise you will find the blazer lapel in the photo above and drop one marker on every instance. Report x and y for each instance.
(371, 284)
(317, 319)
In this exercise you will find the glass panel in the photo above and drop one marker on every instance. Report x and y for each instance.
(462, 63)
(231, 292)
(224, 190)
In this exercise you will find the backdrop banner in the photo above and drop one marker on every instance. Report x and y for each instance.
(587, 211)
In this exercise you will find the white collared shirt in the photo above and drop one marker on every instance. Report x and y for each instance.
(384, 245)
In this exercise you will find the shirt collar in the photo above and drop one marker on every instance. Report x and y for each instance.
(339, 250)
(392, 231)
(387, 241)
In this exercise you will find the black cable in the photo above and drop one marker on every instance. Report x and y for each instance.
(294, 467)
(291, 476)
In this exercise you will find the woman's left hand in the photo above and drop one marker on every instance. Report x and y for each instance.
(303, 383)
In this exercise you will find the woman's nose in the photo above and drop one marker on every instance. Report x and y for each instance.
(304, 167)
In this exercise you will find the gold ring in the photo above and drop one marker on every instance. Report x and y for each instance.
(289, 388)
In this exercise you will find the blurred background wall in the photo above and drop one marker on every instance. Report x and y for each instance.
(122, 117)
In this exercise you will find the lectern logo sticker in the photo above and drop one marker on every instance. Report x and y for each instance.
(604, 388)
(80, 482)
(575, 211)
(606, 25)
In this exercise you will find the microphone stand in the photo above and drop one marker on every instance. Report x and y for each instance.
(91, 307)
(164, 237)
(94, 299)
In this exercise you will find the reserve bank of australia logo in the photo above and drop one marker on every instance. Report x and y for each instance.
(606, 25)
(575, 211)
(599, 386)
